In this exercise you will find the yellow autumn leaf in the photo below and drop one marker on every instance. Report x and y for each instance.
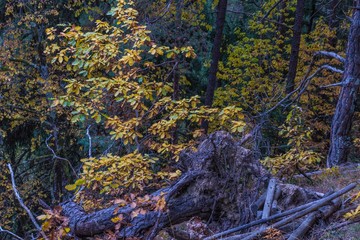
(70, 187)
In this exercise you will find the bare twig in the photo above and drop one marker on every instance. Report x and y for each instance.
(60, 158)
(341, 225)
(331, 55)
(306, 80)
(342, 169)
(270, 10)
(339, 84)
(165, 11)
(25, 62)
(10, 233)
(17, 195)
(302, 86)
(89, 136)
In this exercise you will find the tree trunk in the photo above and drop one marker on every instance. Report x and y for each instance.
(332, 20)
(295, 46)
(220, 21)
(220, 182)
(312, 16)
(342, 120)
(216, 54)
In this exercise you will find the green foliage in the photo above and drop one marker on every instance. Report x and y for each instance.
(103, 107)
(299, 157)
(114, 80)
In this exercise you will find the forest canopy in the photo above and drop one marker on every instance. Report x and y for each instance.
(100, 100)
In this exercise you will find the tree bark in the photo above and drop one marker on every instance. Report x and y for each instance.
(221, 182)
(295, 46)
(216, 54)
(220, 21)
(340, 141)
(312, 16)
(332, 20)
(216, 173)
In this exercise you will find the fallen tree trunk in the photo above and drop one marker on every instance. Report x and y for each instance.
(221, 179)
(221, 183)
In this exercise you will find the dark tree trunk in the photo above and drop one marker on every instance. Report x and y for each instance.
(220, 21)
(332, 20)
(342, 120)
(282, 25)
(295, 45)
(332, 13)
(216, 54)
(312, 16)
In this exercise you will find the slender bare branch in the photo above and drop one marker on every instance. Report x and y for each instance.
(302, 86)
(10, 233)
(18, 197)
(339, 84)
(270, 10)
(331, 55)
(343, 224)
(57, 157)
(25, 62)
(89, 136)
(165, 11)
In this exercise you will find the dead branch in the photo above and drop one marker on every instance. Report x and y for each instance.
(10, 233)
(18, 197)
(322, 213)
(33, 65)
(299, 209)
(331, 55)
(340, 84)
(304, 227)
(351, 167)
(316, 205)
(89, 137)
(269, 198)
(270, 10)
(55, 156)
(343, 224)
(306, 80)
(261, 221)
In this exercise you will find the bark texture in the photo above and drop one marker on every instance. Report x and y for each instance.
(295, 46)
(342, 120)
(220, 21)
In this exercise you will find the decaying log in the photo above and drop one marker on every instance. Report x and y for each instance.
(304, 227)
(222, 184)
(269, 198)
(221, 171)
(349, 168)
(323, 213)
(258, 222)
(314, 206)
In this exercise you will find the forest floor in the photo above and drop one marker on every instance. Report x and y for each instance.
(332, 180)
(324, 181)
